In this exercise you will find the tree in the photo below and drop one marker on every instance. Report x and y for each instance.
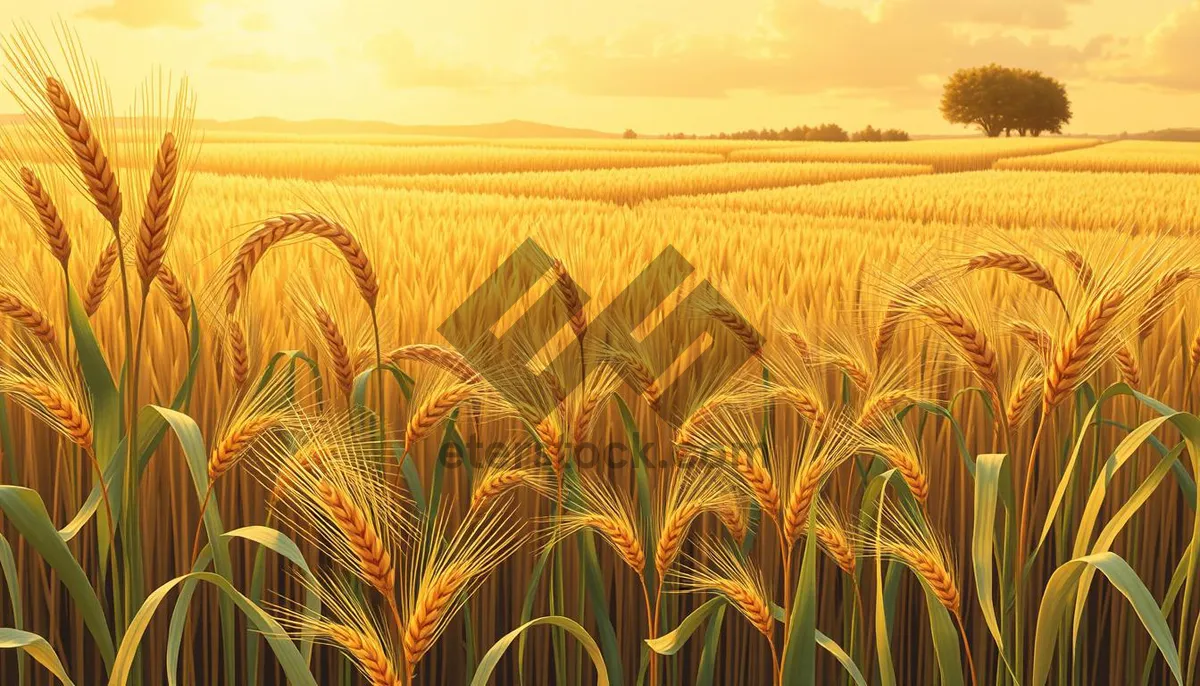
(868, 135)
(979, 96)
(1044, 105)
(629, 134)
(827, 132)
(895, 135)
(1002, 100)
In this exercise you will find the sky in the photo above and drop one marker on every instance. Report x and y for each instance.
(656, 66)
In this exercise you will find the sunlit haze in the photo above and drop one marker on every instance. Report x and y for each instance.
(698, 66)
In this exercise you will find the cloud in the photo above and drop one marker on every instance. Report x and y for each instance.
(807, 46)
(264, 62)
(402, 66)
(147, 13)
(1173, 50)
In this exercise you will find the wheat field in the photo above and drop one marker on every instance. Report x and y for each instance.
(954, 368)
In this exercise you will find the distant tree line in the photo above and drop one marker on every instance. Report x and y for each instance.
(824, 132)
(1004, 100)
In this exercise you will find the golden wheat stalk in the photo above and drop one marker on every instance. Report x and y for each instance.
(974, 345)
(94, 164)
(279, 228)
(1127, 362)
(339, 353)
(367, 652)
(671, 535)
(1034, 336)
(749, 602)
(239, 354)
(736, 521)
(739, 327)
(877, 406)
(1160, 297)
(806, 404)
(65, 413)
(432, 602)
(495, 484)
(893, 315)
(551, 438)
(1014, 263)
(854, 369)
(430, 413)
(375, 561)
(437, 356)
(238, 440)
(97, 284)
(568, 290)
(1020, 400)
(1083, 270)
(758, 480)
(804, 491)
(33, 320)
(834, 539)
(1077, 350)
(935, 573)
(176, 292)
(619, 534)
(906, 461)
(52, 224)
(151, 244)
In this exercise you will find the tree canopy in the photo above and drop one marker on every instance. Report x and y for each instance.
(1002, 100)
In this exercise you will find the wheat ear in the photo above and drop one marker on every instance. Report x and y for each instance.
(736, 521)
(1131, 370)
(152, 234)
(974, 344)
(670, 539)
(1020, 401)
(752, 605)
(1075, 352)
(859, 375)
(367, 651)
(176, 292)
(935, 573)
(1160, 297)
(795, 515)
(740, 328)
(375, 562)
(758, 479)
(284, 226)
(97, 170)
(437, 356)
(339, 354)
(52, 224)
(35, 322)
(433, 411)
(569, 292)
(1037, 338)
(237, 442)
(837, 545)
(239, 354)
(97, 285)
(1021, 265)
(876, 407)
(494, 485)
(910, 468)
(1083, 270)
(806, 404)
(552, 442)
(620, 536)
(433, 600)
(69, 415)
